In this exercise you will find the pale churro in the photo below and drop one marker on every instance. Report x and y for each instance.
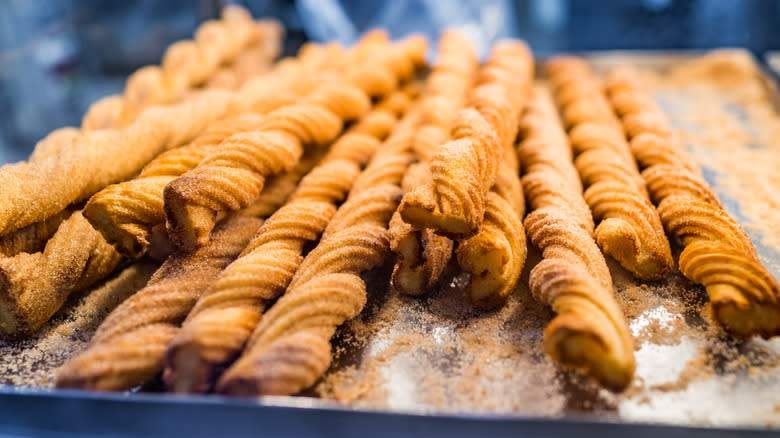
(718, 254)
(590, 331)
(628, 227)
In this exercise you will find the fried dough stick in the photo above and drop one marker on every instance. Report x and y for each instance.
(185, 65)
(590, 331)
(628, 227)
(128, 347)
(232, 177)
(89, 163)
(290, 348)
(718, 254)
(422, 255)
(224, 317)
(464, 169)
(127, 213)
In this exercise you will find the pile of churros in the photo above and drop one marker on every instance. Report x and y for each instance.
(267, 187)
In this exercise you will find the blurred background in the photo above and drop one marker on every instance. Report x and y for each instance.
(56, 57)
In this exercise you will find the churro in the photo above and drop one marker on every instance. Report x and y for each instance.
(590, 331)
(422, 255)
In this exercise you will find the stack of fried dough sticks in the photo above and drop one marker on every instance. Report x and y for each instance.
(47, 248)
(224, 300)
(268, 188)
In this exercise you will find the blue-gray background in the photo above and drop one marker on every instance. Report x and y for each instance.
(56, 57)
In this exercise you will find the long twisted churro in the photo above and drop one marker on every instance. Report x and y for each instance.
(219, 325)
(464, 169)
(422, 255)
(127, 349)
(590, 331)
(629, 228)
(290, 347)
(232, 177)
(718, 253)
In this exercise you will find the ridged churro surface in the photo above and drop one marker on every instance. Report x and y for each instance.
(127, 349)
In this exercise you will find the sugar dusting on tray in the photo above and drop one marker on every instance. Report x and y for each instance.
(32, 362)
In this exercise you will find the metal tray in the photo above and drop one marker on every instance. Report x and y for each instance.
(433, 366)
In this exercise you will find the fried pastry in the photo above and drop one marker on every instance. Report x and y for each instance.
(422, 255)
(717, 252)
(189, 63)
(33, 286)
(590, 332)
(128, 348)
(224, 317)
(290, 349)
(495, 256)
(232, 177)
(628, 227)
(464, 169)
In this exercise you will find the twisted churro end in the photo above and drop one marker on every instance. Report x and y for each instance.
(287, 367)
(741, 317)
(189, 225)
(99, 368)
(743, 295)
(495, 256)
(200, 352)
(619, 239)
(571, 342)
(129, 239)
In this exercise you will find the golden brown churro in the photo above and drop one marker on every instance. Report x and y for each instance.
(422, 255)
(34, 286)
(224, 317)
(718, 253)
(232, 177)
(628, 227)
(290, 347)
(464, 169)
(590, 332)
(128, 347)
